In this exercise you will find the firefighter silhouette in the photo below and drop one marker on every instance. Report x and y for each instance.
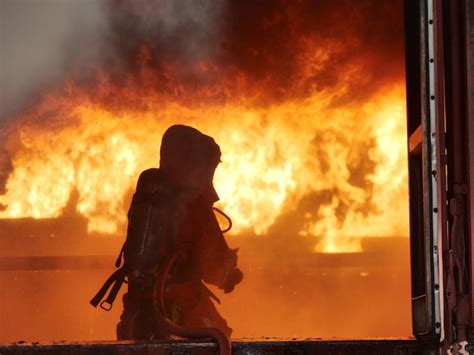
(171, 210)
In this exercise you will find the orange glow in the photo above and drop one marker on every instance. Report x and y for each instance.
(273, 155)
(307, 102)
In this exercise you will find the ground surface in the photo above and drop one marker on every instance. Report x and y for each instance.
(290, 347)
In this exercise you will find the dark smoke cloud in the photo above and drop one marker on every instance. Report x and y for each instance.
(265, 44)
(267, 39)
(175, 29)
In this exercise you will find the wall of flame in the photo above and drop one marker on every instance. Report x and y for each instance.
(272, 158)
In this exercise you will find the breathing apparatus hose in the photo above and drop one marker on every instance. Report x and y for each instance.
(163, 320)
(223, 214)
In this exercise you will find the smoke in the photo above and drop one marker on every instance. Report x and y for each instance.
(192, 28)
(40, 42)
(281, 42)
(266, 43)
(44, 42)
(291, 49)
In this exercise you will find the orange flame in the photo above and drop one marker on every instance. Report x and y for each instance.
(272, 157)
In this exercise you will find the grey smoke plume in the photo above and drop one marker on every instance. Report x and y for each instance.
(193, 27)
(45, 42)
(42, 41)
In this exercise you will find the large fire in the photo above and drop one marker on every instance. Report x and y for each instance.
(307, 102)
(340, 164)
(272, 157)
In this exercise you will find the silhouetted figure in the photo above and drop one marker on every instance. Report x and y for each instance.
(172, 209)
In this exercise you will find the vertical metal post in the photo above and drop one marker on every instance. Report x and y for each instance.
(469, 45)
(432, 93)
(424, 157)
(457, 142)
(430, 98)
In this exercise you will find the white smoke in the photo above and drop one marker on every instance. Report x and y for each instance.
(45, 42)
(40, 41)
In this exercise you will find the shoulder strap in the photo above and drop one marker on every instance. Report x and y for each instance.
(118, 262)
(116, 279)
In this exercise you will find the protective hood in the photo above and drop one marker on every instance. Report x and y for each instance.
(189, 158)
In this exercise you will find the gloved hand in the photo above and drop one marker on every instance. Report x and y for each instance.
(234, 278)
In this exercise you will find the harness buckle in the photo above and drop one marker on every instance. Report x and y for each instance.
(105, 305)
